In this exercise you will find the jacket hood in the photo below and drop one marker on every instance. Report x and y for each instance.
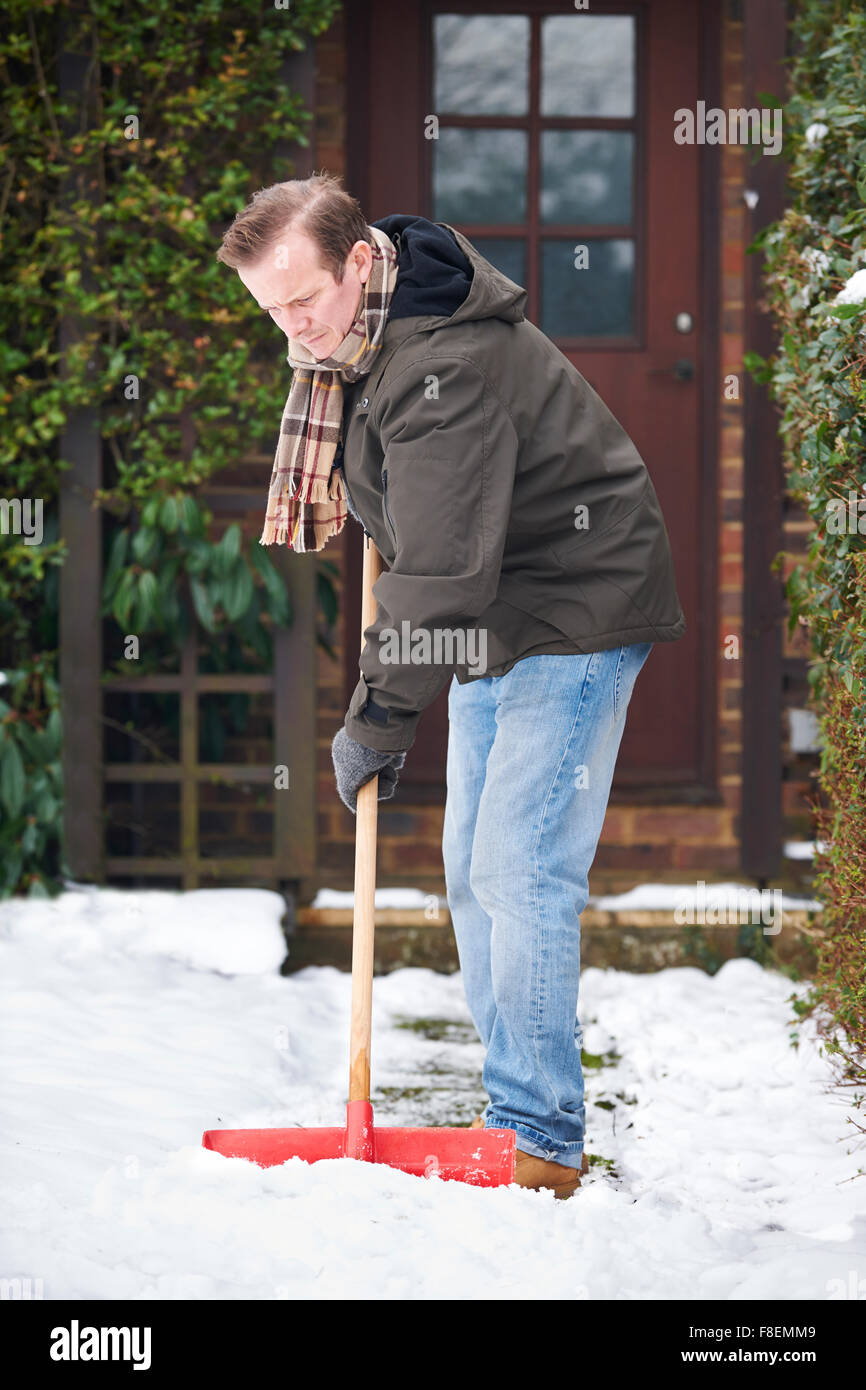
(441, 278)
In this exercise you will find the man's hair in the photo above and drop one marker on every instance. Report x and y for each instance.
(317, 206)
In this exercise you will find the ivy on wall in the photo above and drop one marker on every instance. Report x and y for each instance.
(130, 138)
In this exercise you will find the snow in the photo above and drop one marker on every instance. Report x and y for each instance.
(817, 260)
(815, 132)
(192, 928)
(385, 897)
(804, 849)
(854, 289)
(135, 1021)
(646, 897)
(656, 897)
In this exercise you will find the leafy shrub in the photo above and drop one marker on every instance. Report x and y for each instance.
(114, 196)
(815, 273)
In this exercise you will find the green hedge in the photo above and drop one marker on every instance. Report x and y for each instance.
(118, 235)
(815, 275)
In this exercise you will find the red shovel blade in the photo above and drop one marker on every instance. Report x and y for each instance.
(482, 1157)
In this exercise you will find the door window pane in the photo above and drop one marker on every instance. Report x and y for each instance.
(587, 65)
(507, 254)
(479, 175)
(481, 64)
(595, 302)
(586, 175)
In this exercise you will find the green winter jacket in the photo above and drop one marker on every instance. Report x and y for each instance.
(504, 497)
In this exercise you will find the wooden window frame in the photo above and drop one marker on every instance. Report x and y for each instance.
(533, 231)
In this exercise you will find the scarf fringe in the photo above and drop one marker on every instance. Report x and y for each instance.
(272, 535)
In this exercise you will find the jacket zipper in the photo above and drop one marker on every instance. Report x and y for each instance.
(339, 463)
(385, 500)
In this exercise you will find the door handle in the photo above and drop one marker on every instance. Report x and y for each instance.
(683, 369)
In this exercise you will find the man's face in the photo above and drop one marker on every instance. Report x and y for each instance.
(303, 298)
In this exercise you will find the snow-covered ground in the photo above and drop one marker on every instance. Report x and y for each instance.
(132, 1022)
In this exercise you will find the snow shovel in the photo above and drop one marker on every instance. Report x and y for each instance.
(483, 1157)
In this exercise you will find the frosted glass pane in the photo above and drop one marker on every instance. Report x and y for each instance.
(479, 175)
(586, 175)
(595, 302)
(587, 65)
(481, 64)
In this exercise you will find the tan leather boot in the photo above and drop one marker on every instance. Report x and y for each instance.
(526, 1174)
(541, 1172)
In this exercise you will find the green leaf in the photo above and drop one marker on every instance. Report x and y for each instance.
(46, 808)
(169, 516)
(12, 780)
(28, 739)
(116, 561)
(190, 516)
(12, 867)
(54, 732)
(150, 511)
(279, 606)
(145, 544)
(147, 597)
(238, 591)
(198, 557)
(203, 606)
(123, 599)
(228, 550)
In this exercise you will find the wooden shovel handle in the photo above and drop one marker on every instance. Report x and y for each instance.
(363, 922)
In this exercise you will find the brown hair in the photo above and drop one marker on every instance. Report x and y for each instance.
(317, 206)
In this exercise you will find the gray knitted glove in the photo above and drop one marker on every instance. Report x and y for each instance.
(356, 764)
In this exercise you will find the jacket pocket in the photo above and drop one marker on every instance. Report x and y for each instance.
(431, 512)
(388, 520)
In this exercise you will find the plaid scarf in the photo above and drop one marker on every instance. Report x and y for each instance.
(306, 499)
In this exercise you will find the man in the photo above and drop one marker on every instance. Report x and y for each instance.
(511, 507)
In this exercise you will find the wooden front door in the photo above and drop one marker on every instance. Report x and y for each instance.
(546, 135)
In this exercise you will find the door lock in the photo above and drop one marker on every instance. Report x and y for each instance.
(683, 370)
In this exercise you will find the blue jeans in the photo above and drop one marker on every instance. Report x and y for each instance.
(531, 757)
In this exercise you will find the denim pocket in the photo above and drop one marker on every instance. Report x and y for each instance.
(629, 662)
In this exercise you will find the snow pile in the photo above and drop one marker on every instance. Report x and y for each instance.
(385, 897)
(195, 928)
(656, 897)
(804, 849)
(132, 1022)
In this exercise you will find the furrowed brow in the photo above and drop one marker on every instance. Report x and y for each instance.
(284, 302)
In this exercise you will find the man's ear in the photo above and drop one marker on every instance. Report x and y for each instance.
(362, 252)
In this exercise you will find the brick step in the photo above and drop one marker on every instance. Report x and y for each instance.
(622, 940)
